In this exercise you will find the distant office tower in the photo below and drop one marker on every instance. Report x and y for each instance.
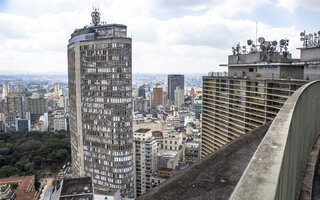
(100, 95)
(174, 81)
(258, 85)
(142, 91)
(179, 97)
(146, 159)
(5, 90)
(56, 91)
(157, 96)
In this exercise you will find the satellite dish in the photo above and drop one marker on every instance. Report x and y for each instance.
(267, 44)
(261, 40)
(274, 43)
(302, 34)
(249, 42)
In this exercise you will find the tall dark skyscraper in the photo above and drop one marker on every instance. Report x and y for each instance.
(100, 85)
(174, 81)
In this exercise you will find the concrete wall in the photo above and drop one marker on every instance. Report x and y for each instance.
(312, 71)
(295, 72)
(244, 58)
(277, 166)
(269, 71)
(310, 54)
(242, 71)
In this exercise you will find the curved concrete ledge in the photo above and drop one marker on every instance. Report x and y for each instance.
(276, 169)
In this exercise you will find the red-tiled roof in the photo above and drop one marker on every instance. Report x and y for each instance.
(25, 190)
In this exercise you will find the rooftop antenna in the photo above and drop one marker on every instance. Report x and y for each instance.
(256, 32)
(95, 14)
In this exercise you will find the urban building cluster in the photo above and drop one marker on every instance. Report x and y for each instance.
(28, 108)
(128, 138)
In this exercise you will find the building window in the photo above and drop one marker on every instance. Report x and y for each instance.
(250, 69)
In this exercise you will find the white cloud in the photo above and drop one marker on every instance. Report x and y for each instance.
(292, 5)
(35, 33)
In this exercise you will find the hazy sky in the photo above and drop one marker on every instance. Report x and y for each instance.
(169, 36)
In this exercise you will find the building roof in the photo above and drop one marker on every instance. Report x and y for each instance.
(77, 186)
(157, 134)
(106, 191)
(142, 130)
(25, 190)
(214, 176)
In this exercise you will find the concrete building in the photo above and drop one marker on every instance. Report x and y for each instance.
(14, 104)
(157, 96)
(26, 187)
(59, 120)
(179, 97)
(192, 153)
(100, 95)
(6, 192)
(10, 122)
(174, 81)
(172, 140)
(37, 106)
(5, 90)
(23, 124)
(142, 91)
(56, 91)
(258, 85)
(146, 159)
(196, 107)
(140, 105)
(45, 121)
(167, 162)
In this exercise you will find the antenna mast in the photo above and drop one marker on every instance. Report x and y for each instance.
(256, 32)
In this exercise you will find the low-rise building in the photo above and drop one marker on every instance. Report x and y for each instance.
(192, 152)
(26, 188)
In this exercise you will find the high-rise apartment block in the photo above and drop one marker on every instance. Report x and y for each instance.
(179, 97)
(258, 84)
(146, 159)
(37, 106)
(174, 81)
(100, 93)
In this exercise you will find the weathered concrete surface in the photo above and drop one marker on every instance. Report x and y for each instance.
(316, 183)
(276, 169)
(213, 177)
(309, 174)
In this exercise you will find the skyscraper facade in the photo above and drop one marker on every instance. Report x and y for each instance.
(100, 90)
(157, 93)
(174, 81)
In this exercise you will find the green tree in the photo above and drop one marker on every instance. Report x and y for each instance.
(8, 170)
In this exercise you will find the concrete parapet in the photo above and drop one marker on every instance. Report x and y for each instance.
(276, 169)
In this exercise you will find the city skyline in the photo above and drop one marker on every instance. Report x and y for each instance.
(167, 36)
